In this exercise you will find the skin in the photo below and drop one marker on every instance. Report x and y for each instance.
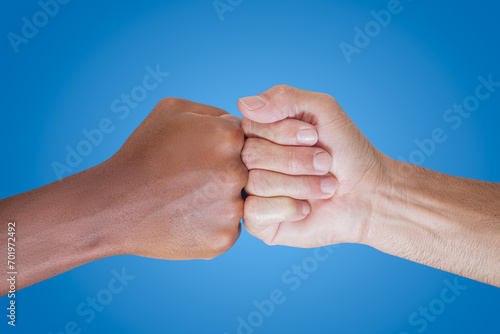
(173, 191)
(443, 221)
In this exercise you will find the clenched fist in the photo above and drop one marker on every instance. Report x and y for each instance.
(316, 180)
(313, 174)
(180, 176)
(173, 191)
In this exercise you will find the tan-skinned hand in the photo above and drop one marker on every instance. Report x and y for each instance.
(173, 191)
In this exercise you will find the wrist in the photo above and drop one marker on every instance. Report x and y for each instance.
(437, 220)
(406, 211)
(62, 225)
(106, 204)
(84, 207)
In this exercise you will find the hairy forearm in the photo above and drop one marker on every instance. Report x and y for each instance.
(442, 221)
(58, 227)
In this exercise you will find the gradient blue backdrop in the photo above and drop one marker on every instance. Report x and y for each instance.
(65, 78)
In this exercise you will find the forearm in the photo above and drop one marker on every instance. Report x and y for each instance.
(58, 227)
(439, 220)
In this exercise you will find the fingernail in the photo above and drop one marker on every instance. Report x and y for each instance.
(307, 136)
(328, 184)
(306, 208)
(322, 162)
(253, 102)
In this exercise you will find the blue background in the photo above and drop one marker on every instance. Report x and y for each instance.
(396, 90)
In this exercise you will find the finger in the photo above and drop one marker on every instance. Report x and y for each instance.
(270, 184)
(261, 216)
(232, 118)
(295, 234)
(285, 132)
(280, 102)
(261, 154)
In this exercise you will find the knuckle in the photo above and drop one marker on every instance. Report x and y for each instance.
(284, 90)
(222, 243)
(267, 132)
(293, 162)
(236, 135)
(248, 153)
(225, 238)
(246, 125)
(257, 183)
(283, 95)
(288, 206)
(249, 210)
(327, 98)
(252, 143)
(241, 176)
(237, 212)
(288, 137)
(231, 138)
(169, 102)
(295, 207)
(234, 180)
(237, 173)
(250, 186)
(229, 182)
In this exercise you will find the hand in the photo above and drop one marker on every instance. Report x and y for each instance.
(180, 176)
(173, 191)
(443, 221)
(284, 174)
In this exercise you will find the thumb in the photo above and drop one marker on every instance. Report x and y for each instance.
(282, 101)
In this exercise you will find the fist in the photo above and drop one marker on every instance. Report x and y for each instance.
(178, 180)
(313, 174)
